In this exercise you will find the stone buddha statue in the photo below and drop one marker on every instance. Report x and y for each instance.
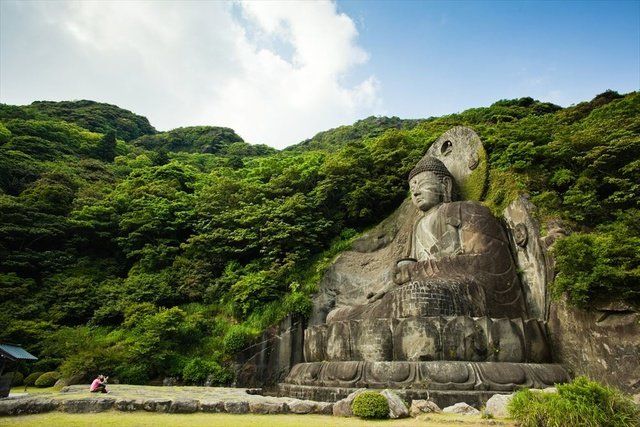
(428, 303)
(458, 260)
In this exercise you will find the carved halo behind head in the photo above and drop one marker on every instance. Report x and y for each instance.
(463, 155)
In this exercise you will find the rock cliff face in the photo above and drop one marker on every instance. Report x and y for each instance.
(603, 345)
(367, 267)
(270, 360)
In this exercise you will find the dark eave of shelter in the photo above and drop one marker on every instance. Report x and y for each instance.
(14, 352)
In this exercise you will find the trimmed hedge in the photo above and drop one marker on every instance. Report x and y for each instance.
(30, 380)
(48, 379)
(370, 405)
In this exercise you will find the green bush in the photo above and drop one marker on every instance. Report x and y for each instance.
(595, 266)
(198, 371)
(220, 375)
(48, 379)
(370, 405)
(30, 380)
(238, 338)
(579, 403)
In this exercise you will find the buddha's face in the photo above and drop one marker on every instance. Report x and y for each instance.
(427, 190)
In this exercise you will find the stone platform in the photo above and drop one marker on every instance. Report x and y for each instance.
(445, 382)
(78, 399)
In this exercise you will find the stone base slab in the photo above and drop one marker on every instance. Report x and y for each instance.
(331, 381)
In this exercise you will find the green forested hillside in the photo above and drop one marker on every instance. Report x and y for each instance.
(165, 254)
(202, 139)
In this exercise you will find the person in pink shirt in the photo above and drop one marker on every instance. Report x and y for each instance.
(99, 385)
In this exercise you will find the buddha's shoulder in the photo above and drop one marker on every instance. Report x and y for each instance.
(466, 207)
(468, 213)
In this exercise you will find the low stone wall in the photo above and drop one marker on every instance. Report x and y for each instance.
(179, 400)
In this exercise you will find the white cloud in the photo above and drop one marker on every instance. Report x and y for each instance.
(273, 71)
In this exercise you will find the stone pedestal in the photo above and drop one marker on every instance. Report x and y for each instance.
(445, 382)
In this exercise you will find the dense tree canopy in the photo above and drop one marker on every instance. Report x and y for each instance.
(151, 254)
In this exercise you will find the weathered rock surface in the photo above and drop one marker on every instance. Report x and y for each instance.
(497, 405)
(81, 406)
(156, 405)
(184, 406)
(397, 408)
(608, 341)
(342, 408)
(423, 406)
(212, 406)
(127, 404)
(301, 407)
(268, 407)
(27, 406)
(530, 254)
(461, 409)
(236, 407)
(310, 407)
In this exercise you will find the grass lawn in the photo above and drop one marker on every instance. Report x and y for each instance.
(115, 418)
(34, 390)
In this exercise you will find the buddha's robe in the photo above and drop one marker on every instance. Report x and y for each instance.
(464, 267)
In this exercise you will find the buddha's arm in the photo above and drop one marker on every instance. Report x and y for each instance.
(485, 250)
(448, 266)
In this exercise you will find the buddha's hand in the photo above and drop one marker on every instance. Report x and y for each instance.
(402, 274)
(372, 297)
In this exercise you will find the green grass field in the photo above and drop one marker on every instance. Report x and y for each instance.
(34, 390)
(124, 419)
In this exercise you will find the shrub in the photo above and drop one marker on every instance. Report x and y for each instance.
(30, 380)
(200, 371)
(196, 371)
(238, 338)
(220, 375)
(581, 402)
(48, 379)
(370, 405)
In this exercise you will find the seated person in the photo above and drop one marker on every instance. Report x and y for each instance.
(99, 385)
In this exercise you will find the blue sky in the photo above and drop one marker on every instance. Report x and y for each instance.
(279, 72)
(434, 58)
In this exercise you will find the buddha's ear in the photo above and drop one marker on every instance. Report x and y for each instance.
(447, 186)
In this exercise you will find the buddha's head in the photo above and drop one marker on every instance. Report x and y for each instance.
(430, 183)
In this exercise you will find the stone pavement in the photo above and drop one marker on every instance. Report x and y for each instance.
(77, 399)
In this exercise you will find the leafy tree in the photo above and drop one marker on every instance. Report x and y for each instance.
(107, 148)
